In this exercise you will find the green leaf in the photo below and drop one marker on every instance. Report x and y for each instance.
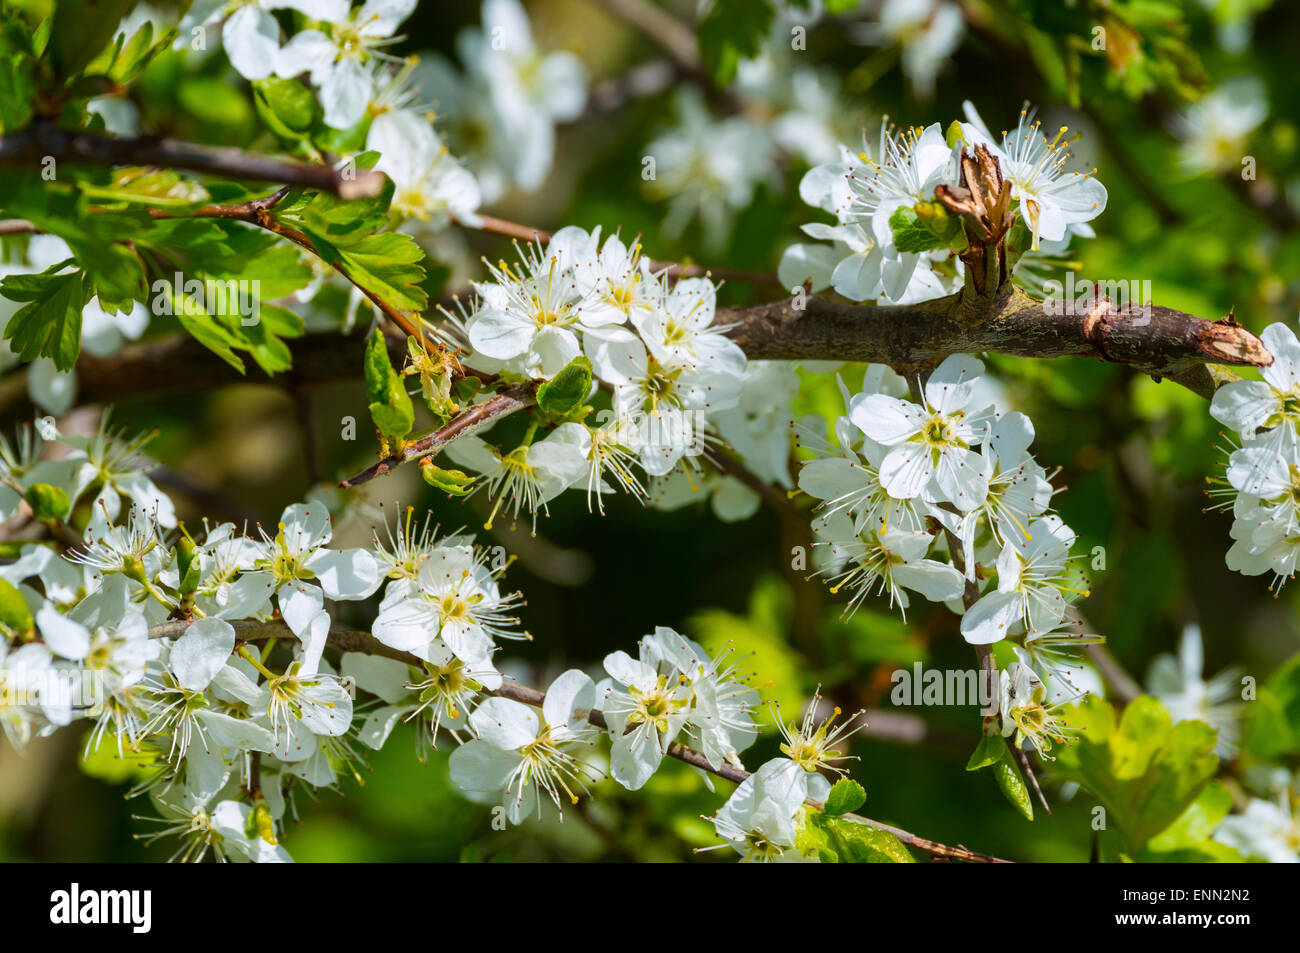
(1189, 839)
(389, 264)
(1012, 784)
(212, 99)
(126, 59)
(48, 502)
(1145, 770)
(49, 322)
(845, 797)
(991, 749)
(81, 29)
(153, 187)
(287, 106)
(17, 90)
(840, 840)
(917, 231)
(390, 405)
(562, 396)
(1274, 726)
(733, 30)
(113, 272)
(451, 482)
(14, 613)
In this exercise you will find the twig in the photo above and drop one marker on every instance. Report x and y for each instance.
(258, 212)
(475, 418)
(44, 139)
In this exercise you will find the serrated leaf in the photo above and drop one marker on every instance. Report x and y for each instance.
(49, 322)
(390, 405)
(389, 264)
(1144, 769)
(911, 234)
(845, 797)
(852, 842)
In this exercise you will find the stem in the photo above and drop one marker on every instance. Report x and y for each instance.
(42, 139)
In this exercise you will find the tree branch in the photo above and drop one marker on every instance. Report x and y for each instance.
(354, 640)
(42, 139)
(1160, 341)
(474, 418)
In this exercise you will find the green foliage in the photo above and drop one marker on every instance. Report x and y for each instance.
(288, 108)
(1189, 839)
(451, 482)
(15, 616)
(49, 322)
(1012, 784)
(926, 227)
(1274, 727)
(1145, 770)
(845, 797)
(390, 405)
(732, 31)
(991, 749)
(763, 634)
(48, 502)
(839, 840)
(561, 398)
(81, 29)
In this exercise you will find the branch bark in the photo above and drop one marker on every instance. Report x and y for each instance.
(42, 139)
(1158, 341)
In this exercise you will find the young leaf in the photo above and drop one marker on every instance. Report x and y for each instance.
(390, 405)
(847, 796)
(991, 749)
(14, 613)
(562, 395)
(451, 482)
(49, 322)
(852, 842)
(1013, 785)
(1145, 770)
(48, 502)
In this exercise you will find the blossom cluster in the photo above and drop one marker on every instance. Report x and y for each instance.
(932, 497)
(677, 386)
(202, 658)
(1262, 479)
(893, 243)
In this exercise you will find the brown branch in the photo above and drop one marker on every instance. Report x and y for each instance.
(1159, 341)
(44, 139)
(474, 418)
